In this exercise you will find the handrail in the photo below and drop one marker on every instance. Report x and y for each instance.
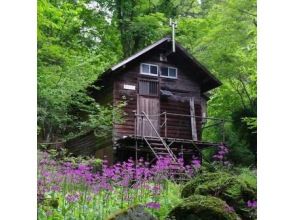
(153, 115)
(215, 122)
(194, 116)
(150, 147)
(161, 139)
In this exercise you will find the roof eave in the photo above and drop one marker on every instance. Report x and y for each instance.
(141, 52)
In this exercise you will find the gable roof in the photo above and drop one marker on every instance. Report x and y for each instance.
(141, 52)
(208, 78)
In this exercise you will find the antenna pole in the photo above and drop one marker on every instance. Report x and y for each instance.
(173, 24)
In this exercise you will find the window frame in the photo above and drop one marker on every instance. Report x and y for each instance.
(149, 81)
(149, 74)
(170, 77)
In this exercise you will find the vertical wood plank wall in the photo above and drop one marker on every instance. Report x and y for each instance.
(127, 77)
(183, 86)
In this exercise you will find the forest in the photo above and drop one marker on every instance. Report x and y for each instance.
(77, 40)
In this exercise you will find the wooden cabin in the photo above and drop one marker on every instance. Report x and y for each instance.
(165, 96)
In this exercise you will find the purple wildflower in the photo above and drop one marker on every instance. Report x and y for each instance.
(252, 204)
(72, 198)
(153, 205)
(229, 208)
(221, 153)
(55, 188)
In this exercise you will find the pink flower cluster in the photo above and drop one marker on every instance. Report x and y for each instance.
(221, 153)
(252, 204)
(52, 176)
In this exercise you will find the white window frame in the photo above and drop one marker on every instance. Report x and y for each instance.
(148, 74)
(171, 77)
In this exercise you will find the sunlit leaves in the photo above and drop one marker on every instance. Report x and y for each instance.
(69, 59)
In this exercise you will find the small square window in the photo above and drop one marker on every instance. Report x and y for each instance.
(164, 71)
(168, 72)
(172, 72)
(153, 70)
(149, 88)
(145, 68)
(149, 69)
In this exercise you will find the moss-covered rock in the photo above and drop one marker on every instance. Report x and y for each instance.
(133, 213)
(208, 184)
(198, 207)
(234, 189)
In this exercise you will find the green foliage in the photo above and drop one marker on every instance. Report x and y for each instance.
(223, 37)
(75, 44)
(169, 199)
(62, 155)
(104, 205)
(251, 122)
(148, 28)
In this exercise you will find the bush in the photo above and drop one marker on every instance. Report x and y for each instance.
(198, 207)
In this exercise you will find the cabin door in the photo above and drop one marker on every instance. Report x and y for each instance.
(151, 108)
(148, 102)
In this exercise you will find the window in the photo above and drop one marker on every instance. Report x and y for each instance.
(168, 72)
(149, 69)
(148, 87)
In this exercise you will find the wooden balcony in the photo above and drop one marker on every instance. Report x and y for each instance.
(172, 134)
(177, 127)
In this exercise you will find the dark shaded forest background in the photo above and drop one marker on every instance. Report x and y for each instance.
(79, 39)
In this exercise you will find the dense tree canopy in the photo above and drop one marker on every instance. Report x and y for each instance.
(79, 39)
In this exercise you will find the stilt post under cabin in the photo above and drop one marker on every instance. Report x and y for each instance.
(193, 120)
(136, 152)
(165, 125)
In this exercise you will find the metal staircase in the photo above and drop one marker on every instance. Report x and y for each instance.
(160, 148)
(158, 145)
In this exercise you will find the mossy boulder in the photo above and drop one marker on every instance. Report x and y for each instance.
(198, 207)
(133, 213)
(234, 189)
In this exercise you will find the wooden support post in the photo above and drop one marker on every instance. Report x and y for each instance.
(142, 125)
(136, 153)
(165, 125)
(182, 152)
(193, 120)
(136, 119)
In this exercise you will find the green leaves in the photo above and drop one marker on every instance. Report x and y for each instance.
(223, 38)
(70, 57)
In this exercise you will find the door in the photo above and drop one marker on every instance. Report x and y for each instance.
(148, 102)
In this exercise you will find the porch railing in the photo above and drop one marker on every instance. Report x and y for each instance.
(178, 126)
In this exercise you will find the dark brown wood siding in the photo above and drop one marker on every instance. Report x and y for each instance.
(126, 77)
(182, 88)
(89, 144)
(177, 126)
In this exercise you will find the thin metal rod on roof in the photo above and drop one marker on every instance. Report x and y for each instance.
(173, 24)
